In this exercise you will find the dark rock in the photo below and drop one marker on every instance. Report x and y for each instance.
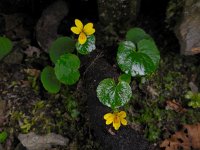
(14, 26)
(2, 24)
(118, 11)
(188, 30)
(124, 139)
(20, 147)
(47, 26)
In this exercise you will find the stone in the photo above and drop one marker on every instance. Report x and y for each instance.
(124, 139)
(47, 26)
(188, 29)
(117, 11)
(2, 24)
(14, 26)
(38, 142)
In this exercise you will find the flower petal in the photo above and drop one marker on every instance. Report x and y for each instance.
(82, 38)
(79, 24)
(123, 121)
(122, 114)
(75, 30)
(106, 116)
(88, 29)
(109, 120)
(116, 123)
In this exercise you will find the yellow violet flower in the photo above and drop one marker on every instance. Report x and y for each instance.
(83, 31)
(117, 118)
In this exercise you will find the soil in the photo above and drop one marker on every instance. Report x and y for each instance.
(126, 138)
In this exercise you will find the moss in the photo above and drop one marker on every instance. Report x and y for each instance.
(194, 99)
(45, 116)
(170, 82)
(173, 12)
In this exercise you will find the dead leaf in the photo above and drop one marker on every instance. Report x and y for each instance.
(196, 49)
(111, 131)
(32, 72)
(188, 138)
(31, 50)
(24, 83)
(152, 91)
(174, 105)
(2, 111)
(194, 135)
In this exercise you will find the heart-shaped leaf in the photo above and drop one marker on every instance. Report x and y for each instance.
(49, 80)
(60, 46)
(5, 46)
(113, 95)
(136, 34)
(141, 61)
(66, 69)
(149, 48)
(125, 77)
(87, 47)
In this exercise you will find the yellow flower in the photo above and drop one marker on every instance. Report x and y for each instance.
(83, 31)
(117, 118)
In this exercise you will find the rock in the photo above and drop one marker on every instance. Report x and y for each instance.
(188, 30)
(20, 147)
(31, 50)
(36, 142)
(2, 24)
(124, 139)
(193, 87)
(47, 26)
(117, 11)
(15, 57)
(14, 26)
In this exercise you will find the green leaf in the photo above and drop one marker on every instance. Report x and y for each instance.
(149, 48)
(5, 46)
(49, 80)
(3, 136)
(141, 61)
(61, 46)
(87, 47)
(113, 95)
(125, 78)
(136, 34)
(66, 69)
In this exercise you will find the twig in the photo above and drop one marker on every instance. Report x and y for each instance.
(92, 63)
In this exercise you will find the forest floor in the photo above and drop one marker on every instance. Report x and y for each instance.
(157, 110)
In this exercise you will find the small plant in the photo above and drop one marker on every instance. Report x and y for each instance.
(3, 136)
(194, 99)
(114, 96)
(66, 70)
(137, 56)
(5, 47)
